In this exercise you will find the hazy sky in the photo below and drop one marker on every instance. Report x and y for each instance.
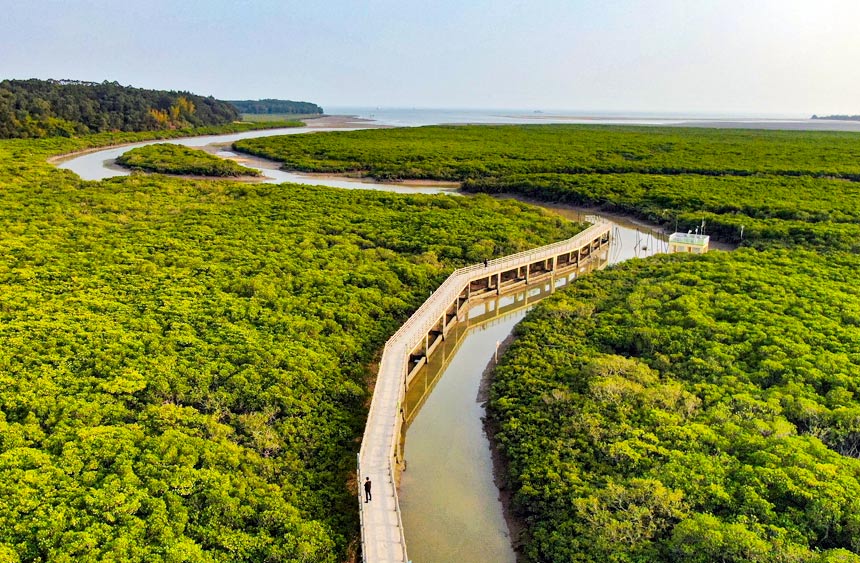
(764, 57)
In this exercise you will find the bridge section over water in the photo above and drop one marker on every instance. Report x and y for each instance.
(380, 457)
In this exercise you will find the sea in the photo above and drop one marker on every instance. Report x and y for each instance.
(415, 117)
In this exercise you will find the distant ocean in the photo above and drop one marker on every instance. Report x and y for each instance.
(414, 117)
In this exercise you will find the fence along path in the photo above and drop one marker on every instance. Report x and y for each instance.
(379, 458)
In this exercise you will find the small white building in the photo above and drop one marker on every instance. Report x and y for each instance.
(688, 242)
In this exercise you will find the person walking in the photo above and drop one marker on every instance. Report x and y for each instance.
(367, 497)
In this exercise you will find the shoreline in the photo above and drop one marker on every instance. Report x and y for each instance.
(342, 122)
(365, 179)
(516, 526)
(616, 216)
(245, 179)
(321, 122)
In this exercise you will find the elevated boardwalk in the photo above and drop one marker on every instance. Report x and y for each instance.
(407, 350)
(482, 315)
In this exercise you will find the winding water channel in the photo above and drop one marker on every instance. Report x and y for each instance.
(451, 506)
(450, 503)
(101, 164)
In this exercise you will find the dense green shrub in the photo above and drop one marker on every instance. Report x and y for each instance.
(673, 409)
(184, 364)
(759, 188)
(760, 211)
(689, 410)
(460, 152)
(167, 158)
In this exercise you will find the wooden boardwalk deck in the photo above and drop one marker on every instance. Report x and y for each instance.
(380, 458)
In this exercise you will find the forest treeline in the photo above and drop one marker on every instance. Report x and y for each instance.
(838, 117)
(268, 106)
(168, 158)
(46, 108)
(184, 367)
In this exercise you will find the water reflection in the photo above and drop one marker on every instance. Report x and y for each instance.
(451, 508)
(491, 311)
(449, 501)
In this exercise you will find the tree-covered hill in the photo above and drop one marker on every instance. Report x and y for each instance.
(270, 106)
(45, 108)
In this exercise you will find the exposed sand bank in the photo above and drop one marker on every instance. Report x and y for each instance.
(341, 122)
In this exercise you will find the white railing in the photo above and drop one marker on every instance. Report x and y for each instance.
(383, 421)
(456, 282)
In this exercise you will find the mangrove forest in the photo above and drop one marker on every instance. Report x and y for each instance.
(678, 408)
(186, 364)
(168, 158)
